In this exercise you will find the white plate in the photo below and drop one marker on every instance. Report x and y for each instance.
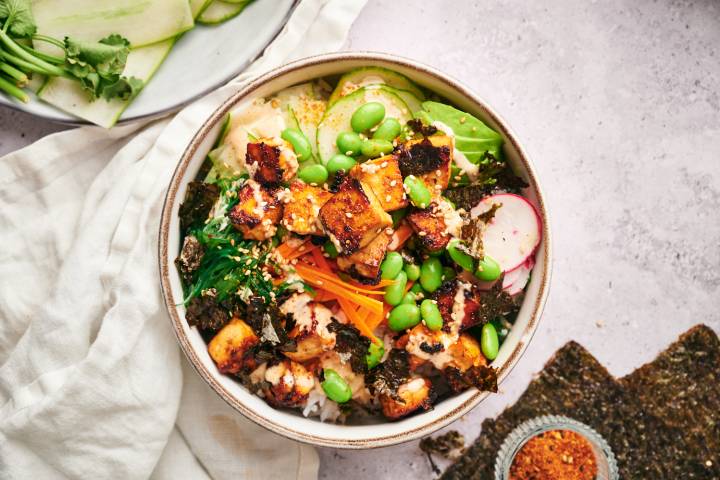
(202, 60)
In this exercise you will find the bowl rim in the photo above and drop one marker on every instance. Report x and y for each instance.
(179, 174)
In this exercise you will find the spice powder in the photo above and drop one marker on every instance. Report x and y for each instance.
(555, 455)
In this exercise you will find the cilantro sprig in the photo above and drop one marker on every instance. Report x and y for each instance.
(97, 66)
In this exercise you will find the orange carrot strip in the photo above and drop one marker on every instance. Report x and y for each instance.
(318, 280)
(400, 236)
(331, 277)
(286, 249)
(379, 285)
(301, 250)
(356, 320)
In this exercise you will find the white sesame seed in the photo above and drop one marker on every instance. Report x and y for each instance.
(348, 214)
(393, 183)
(388, 198)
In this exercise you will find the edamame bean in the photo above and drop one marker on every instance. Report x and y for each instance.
(431, 315)
(403, 317)
(301, 145)
(367, 116)
(388, 130)
(335, 386)
(330, 249)
(316, 174)
(375, 354)
(431, 274)
(349, 143)
(375, 148)
(489, 341)
(461, 258)
(417, 191)
(488, 269)
(409, 298)
(340, 162)
(394, 293)
(412, 271)
(417, 289)
(448, 274)
(391, 266)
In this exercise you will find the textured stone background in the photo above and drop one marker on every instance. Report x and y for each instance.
(618, 104)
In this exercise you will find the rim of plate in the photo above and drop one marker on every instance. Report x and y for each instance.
(68, 118)
(165, 265)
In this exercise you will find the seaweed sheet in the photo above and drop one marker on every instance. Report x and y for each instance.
(661, 421)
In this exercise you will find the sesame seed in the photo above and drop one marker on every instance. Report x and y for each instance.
(463, 119)
(389, 231)
(349, 153)
(422, 234)
(348, 214)
(388, 198)
(393, 183)
(383, 164)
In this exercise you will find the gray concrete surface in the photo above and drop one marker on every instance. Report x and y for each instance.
(618, 103)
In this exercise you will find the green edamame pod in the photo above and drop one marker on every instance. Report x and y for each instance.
(488, 269)
(374, 148)
(397, 216)
(374, 355)
(448, 274)
(417, 191)
(367, 116)
(431, 315)
(340, 162)
(388, 130)
(394, 293)
(403, 316)
(412, 271)
(301, 145)
(409, 298)
(489, 341)
(316, 174)
(461, 258)
(349, 143)
(431, 274)
(335, 386)
(391, 266)
(417, 288)
(330, 249)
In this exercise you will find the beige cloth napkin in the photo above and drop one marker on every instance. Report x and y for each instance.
(92, 384)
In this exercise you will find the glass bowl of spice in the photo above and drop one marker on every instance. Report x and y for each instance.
(554, 447)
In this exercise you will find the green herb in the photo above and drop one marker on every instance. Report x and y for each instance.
(97, 66)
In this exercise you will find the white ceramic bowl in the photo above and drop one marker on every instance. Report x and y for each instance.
(289, 423)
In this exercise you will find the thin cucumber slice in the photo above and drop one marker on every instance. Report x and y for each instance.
(67, 94)
(303, 110)
(236, 1)
(413, 102)
(337, 117)
(140, 21)
(361, 77)
(197, 6)
(218, 12)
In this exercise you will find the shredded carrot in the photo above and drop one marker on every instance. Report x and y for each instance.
(408, 286)
(400, 236)
(290, 247)
(377, 286)
(359, 323)
(337, 286)
(331, 277)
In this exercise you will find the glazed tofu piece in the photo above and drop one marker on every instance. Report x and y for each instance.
(466, 353)
(364, 265)
(429, 159)
(414, 394)
(383, 177)
(353, 217)
(310, 332)
(230, 347)
(257, 212)
(289, 384)
(302, 207)
(270, 163)
(429, 227)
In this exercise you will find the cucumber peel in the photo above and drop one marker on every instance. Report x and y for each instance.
(361, 77)
(218, 12)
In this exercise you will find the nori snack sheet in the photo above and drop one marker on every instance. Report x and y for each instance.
(662, 421)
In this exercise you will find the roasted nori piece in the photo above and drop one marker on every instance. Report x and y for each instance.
(349, 340)
(189, 259)
(653, 434)
(449, 445)
(206, 313)
(266, 317)
(420, 158)
(387, 377)
(199, 200)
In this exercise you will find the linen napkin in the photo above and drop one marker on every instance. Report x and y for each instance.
(92, 384)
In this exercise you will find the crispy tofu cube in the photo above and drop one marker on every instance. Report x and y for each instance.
(364, 265)
(383, 177)
(289, 384)
(269, 163)
(230, 347)
(353, 217)
(414, 394)
(466, 353)
(302, 207)
(430, 228)
(429, 159)
(257, 212)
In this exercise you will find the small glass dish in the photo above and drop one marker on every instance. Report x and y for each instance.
(607, 466)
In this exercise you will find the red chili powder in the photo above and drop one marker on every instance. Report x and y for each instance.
(555, 455)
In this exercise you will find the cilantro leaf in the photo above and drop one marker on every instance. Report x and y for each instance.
(17, 17)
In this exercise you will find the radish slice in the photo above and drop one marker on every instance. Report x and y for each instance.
(515, 281)
(514, 233)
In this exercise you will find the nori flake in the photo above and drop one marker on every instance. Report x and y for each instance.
(661, 421)
(199, 200)
(348, 340)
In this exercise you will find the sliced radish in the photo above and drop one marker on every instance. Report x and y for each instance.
(515, 281)
(514, 233)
